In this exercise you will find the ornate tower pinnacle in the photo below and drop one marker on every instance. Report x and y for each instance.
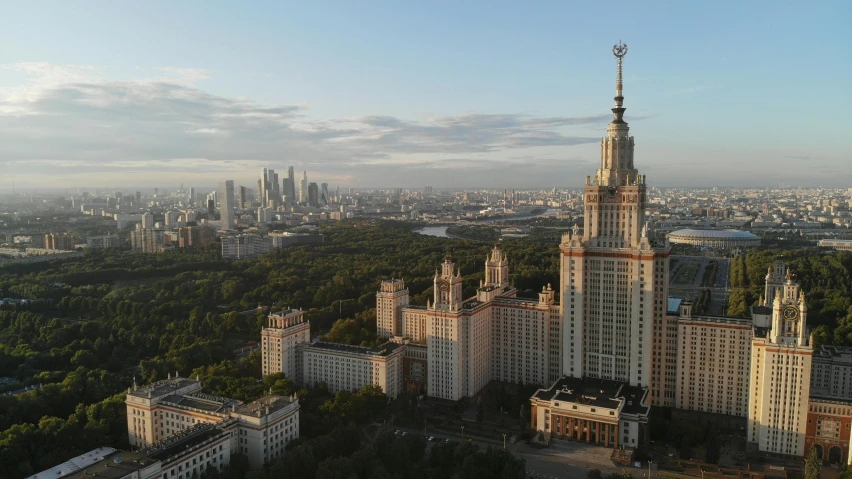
(620, 51)
(617, 147)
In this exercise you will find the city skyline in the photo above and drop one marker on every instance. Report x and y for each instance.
(585, 308)
(496, 104)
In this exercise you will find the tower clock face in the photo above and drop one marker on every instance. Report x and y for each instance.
(444, 286)
(791, 313)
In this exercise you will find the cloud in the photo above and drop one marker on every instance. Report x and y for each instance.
(72, 121)
(190, 75)
(687, 91)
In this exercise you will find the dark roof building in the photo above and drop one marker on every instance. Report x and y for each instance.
(597, 411)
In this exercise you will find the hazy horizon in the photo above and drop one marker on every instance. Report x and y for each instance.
(471, 96)
(201, 189)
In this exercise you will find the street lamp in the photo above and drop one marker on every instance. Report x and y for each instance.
(649, 468)
(504, 441)
(462, 433)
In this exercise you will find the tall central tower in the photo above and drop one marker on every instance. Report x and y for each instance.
(614, 280)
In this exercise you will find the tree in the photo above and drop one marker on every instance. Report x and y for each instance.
(712, 449)
(812, 465)
(84, 358)
(685, 448)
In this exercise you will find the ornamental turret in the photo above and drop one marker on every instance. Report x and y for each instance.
(448, 286)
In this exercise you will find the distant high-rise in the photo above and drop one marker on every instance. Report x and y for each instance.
(264, 215)
(171, 220)
(275, 195)
(226, 204)
(289, 186)
(147, 220)
(303, 188)
(146, 240)
(313, 194)
(324, 200)
(191, 195)
(242, 197)
(263, 186)
(59, 241)
(427, 191)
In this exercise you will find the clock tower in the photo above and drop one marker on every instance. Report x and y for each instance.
(788, 314)
(780, 376)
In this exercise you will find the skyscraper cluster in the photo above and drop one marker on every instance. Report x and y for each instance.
(271, 194)
(267, 186)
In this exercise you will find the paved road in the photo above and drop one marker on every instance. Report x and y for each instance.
(563, 459)
(719, 291)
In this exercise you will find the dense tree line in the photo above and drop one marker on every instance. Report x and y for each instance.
(826, 279)
(92, 325)
(703, 302)
(341, 455)
(27, 448)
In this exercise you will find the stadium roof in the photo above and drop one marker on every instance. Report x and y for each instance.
(715, 234)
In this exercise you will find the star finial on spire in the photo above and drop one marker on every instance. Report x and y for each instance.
(620, 51)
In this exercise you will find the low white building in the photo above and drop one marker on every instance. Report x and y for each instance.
(838, 244)
(342, 367)
(244, 246)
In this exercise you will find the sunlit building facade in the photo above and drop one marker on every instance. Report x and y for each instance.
(176, 409)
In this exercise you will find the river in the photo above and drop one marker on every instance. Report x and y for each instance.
(438, 231)
(441, 231)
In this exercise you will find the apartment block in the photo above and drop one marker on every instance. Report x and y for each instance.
(713, 363)
(342, 367)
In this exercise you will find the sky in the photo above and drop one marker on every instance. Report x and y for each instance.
(406, 94)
